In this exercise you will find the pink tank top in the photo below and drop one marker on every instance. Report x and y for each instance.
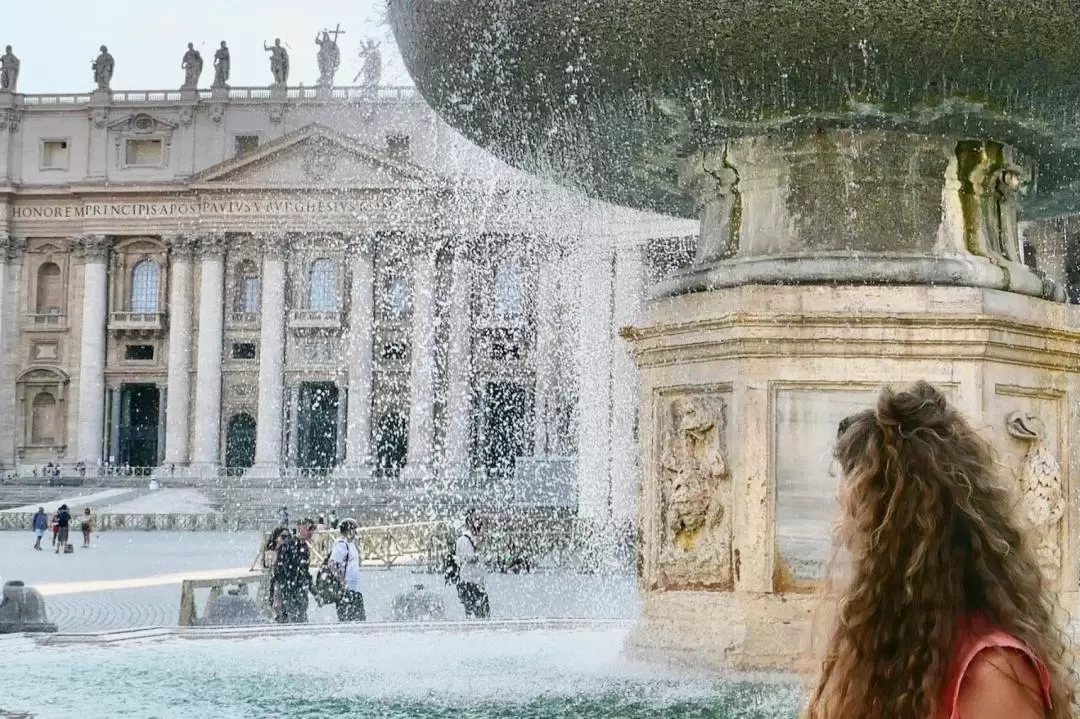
(972, 638)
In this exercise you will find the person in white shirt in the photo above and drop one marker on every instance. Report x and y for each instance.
(472, 576)
(345, 562)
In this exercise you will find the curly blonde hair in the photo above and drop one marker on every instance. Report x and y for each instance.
(932, 540)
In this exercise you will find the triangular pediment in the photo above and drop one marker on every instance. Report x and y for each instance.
(316, 156)
(142, 123)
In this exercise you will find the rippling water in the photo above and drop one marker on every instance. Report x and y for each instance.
(536, 674)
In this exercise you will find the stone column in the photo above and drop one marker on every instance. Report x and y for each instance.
(628, 307)
(459, 367)
(163, 414)
(113, 453)
(547, 346)
(422, 366)
(268, 425)
(358, 453)
(594, 382)
(178, 415)
(94, 251)
(206, 433)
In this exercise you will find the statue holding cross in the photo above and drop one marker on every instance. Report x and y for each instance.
(329, 55)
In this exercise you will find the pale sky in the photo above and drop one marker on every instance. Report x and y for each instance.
(56, 40)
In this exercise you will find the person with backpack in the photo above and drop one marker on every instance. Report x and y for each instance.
(292, 574)
(63, 523)
(344, 562)
(41, 522)
(471, 573)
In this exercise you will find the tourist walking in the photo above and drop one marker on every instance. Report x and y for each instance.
(270, 554)
(345, 563)
(471, 574)
(292, 574)
(283, 517)
(41, 523)
(945, 611)
(55, 526)
(63, 523)
(87, 526)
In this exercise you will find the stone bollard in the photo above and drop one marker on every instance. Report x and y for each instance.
(418, 605)
(23, 610)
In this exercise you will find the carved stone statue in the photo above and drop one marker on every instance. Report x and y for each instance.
(371, 72)
(1042, 501)
(103, 68)
(192, 65)
(222, 66)
(695, 545)
(329, 57)
(9, 70)
(279, 62)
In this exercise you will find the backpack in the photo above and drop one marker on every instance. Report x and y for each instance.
(329, 586)
(451, 568)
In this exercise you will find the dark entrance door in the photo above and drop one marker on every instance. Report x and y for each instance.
(391, 441)
(140, 406)
(507, 425)
(317, 418)
(240, 441)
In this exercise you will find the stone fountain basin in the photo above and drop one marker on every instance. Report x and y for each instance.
(495, 670)
(605, 96)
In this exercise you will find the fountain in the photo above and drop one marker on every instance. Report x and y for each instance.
(859, 171)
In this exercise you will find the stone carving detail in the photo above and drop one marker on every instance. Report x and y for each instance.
(217, 112)
(192, 65)
(92, 248)
(187, 115)
(211, 247)
(695, 496)
(99, 117)
(371, 71)
(103, 68)
(181, 247)
(276, 112)
(992, 183)
(279, 63)
(222, 66)
(9, 71)
(713, 182)
(1042, 500)
(329, 56)
(16, 248)
(9, 119)
(273, 246)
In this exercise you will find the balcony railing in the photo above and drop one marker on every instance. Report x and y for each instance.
(315, 319)
(158, 97)
(137, 321)
(244, 319)
(51, 321)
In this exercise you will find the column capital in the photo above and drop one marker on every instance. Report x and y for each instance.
(427, 246)
(12, 249)
(273, 245)
(91, 248)
(181, 247)
(361, 245)
(211, 246)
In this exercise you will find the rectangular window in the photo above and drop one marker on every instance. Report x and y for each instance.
(246, 144)
(139, 352)
(143, 153)
(243, 350)
(250, 291)
(54, 155)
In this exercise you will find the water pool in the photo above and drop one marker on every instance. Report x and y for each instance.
(482, 674)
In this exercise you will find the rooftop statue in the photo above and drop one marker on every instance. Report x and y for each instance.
(103, 68)
(222, 66)
(9, 70)
(279, 62)
(371, 72)
(192, 65)
(329, 56)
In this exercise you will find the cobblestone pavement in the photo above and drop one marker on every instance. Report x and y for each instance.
(141, 555)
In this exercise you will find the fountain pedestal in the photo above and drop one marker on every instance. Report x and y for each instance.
(830, 265)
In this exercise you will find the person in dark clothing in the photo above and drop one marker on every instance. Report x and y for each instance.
(41, 522)
(63, 521)
(292, 575)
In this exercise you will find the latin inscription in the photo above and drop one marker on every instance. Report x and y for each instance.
(183, 209)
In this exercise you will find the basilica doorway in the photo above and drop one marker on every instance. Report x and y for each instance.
(391, 442)
(317, 422)
(240, 441)
(507, 425)
(140, 415)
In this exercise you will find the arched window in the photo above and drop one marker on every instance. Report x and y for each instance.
(49, 289)
(507, 291)
(398, 299)
(322, 286)
(145, 287)
(43, 420)
(248, 287)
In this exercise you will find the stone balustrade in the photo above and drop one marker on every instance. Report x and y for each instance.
(158, 97)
